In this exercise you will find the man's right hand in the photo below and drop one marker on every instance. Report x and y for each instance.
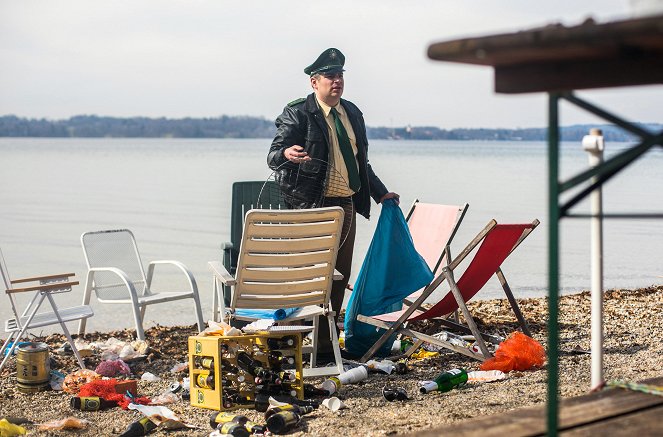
(296, 154)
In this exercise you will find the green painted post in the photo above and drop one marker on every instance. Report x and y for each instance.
(553, 261)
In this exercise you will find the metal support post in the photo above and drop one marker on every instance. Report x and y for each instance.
(594, 145)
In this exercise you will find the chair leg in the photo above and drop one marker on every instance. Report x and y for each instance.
(138, 319)
(215, 300)
(513, 302)
(199, 313)
(11, 349)
(470, 321)
(336, 347)
(66, 332)
(86, 301)
(314, 351)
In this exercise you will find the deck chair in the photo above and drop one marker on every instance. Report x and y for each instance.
(115, 274)
(244, 197)
(287, 260)
(497, 242)
(43, 288)
(432, 227)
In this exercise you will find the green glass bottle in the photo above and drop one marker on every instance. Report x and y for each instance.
(446, 381)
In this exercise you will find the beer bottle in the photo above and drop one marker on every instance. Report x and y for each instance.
(299, 409)
(143, 426)
(217, 420)
(447, 381)
(283, 421)
(91, 403)
(233, 429)
(276, 360)
(226, 366)
(312, 391)
(249, 365)
(287, 342)
(205, 380)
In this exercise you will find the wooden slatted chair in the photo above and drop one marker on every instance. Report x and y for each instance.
(286, 260)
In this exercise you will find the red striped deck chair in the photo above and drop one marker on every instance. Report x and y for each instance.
(496, 242)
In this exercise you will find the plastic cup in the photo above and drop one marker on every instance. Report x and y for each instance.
(334, 404)
(353, 375)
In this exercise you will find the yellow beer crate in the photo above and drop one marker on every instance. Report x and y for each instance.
(219, 382)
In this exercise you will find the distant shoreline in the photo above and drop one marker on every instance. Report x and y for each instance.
(92, 126)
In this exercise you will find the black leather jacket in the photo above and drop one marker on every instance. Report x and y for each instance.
(303, 123)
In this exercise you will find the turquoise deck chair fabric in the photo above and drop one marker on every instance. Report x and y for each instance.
(391, 271)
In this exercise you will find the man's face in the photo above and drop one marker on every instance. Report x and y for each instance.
(328, 87)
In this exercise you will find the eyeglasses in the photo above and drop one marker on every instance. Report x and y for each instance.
(333, 76)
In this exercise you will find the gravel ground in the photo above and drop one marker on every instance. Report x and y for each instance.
(633, 351)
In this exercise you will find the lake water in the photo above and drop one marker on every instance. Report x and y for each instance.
(174, 194)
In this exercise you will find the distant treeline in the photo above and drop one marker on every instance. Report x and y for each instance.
(92, 126)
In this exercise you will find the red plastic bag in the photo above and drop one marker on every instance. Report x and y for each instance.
(518, 352)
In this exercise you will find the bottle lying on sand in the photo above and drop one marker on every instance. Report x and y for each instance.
(445, 381)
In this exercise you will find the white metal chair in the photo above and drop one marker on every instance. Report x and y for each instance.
(116, 275)
(43, 287)
(286, 260)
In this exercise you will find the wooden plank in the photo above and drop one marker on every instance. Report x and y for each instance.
(640, 423)
(289, 245)
(292, 274)
(292, 230)
(574, 412)
(284, 288)
(286, 260)
(54, 287)
(586, 74)
(42, 278)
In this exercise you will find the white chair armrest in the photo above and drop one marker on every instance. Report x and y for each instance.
(179, 265)
(120, 273)
(337, 275)
(220, 273)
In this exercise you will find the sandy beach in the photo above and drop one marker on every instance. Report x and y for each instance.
(633, 351)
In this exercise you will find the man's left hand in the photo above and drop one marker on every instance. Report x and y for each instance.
(391, 195)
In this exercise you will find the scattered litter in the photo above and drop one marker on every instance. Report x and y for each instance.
(161, 416)
(56, 379)
(394, 394)
(113, 348)
(112, 368)
(423, 353)
(445, 381)
(74, 381)
(518, 352)
(66, 423)
(334, 404)
(258, 325)
(122, 392)
(8, 429)
(384, 366)
(148, 376)
(220, 328)
(485, 375)
(165, 398)
(179, 367)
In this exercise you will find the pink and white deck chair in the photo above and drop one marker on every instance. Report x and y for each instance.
(497, 241)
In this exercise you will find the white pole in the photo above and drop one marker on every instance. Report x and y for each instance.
(594, 145)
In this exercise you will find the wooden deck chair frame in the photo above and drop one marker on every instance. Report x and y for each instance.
(43, 287)
(130, 286)
(287, 260)
(447, 274)
(244, 197)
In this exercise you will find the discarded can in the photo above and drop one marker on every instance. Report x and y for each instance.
(32, 368)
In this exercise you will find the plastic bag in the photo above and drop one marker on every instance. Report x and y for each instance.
(518, 352)
(390, 272)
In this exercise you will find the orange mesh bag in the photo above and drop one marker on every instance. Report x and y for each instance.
(105, 388)
(518, 352)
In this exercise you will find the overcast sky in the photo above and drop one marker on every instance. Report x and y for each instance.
(206, 58)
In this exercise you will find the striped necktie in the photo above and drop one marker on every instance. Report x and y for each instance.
(346, 151)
